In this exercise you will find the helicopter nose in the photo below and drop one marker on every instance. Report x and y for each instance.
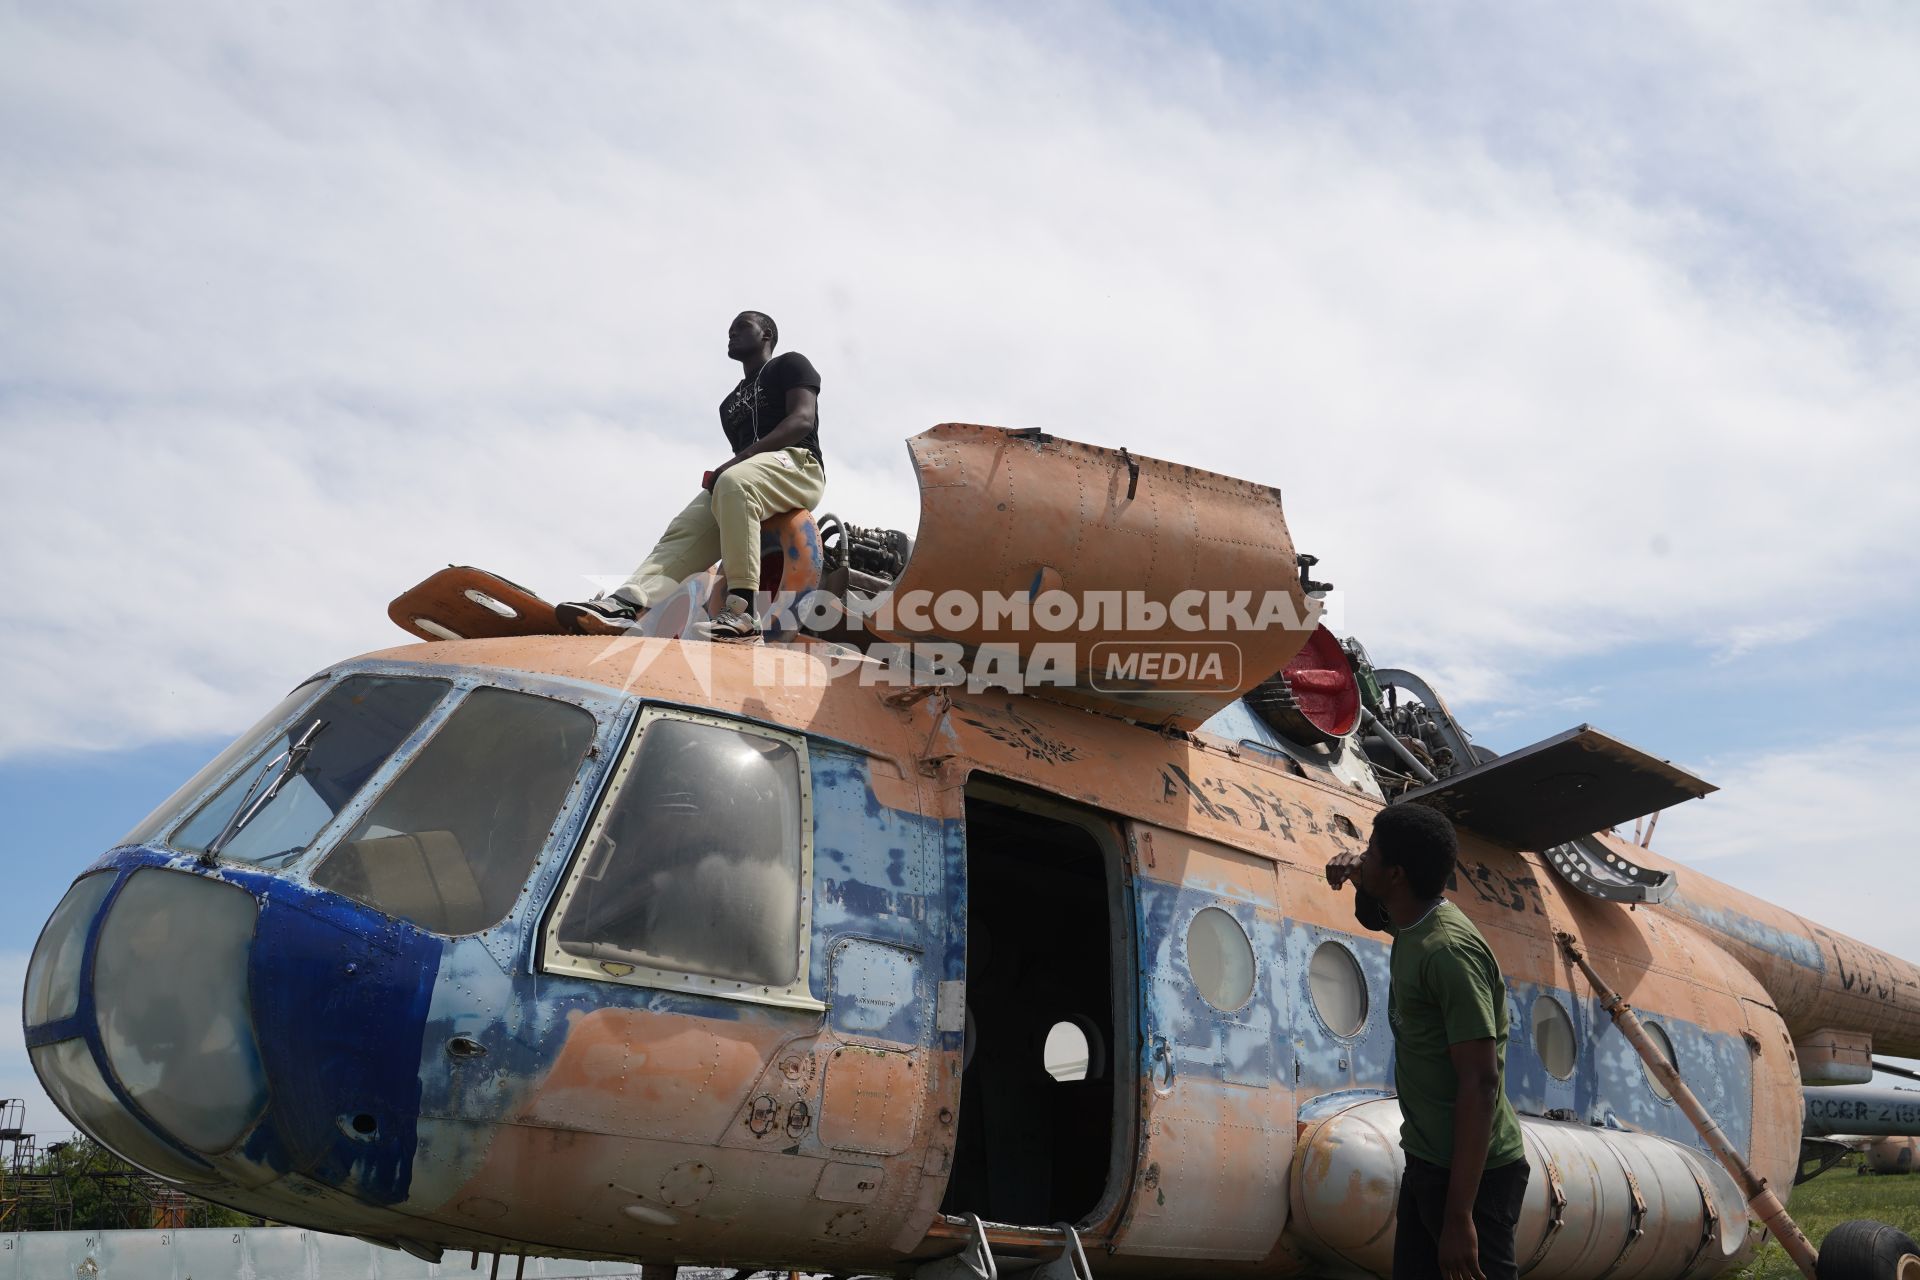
(138, 1021)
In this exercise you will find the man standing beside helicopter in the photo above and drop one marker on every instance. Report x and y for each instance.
(1466, 1169)
(772, 420)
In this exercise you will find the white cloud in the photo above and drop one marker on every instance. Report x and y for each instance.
(1816, 828)
(1743, 640)
(299, 305)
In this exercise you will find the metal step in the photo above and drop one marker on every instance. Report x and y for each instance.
(979, 1261)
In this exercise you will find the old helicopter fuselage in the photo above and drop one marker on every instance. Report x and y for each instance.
(552, 945)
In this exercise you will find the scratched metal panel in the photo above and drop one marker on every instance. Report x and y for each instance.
(1609, 1083)
(888, 931)
(1814, 976)
(876, 868)
(621, 1195)
(1023, 513)
(1214, 1182)
(871, 1102)
(1259, 805)
(1865, 989)
(1238, 1046)
(1736, 925)
(1568, 785)
(649, 1073)
(1217, 1102)
(877, 991)
(1324, 1061)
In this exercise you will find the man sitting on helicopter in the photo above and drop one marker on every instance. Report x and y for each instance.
(772, 420)
(1466, 1164)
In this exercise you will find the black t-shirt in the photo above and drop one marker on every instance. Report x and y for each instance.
(757, 405)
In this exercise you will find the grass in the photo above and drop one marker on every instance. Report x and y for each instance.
(1832, 1198)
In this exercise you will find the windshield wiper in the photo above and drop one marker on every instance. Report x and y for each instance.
(273, 858)
(290, 762)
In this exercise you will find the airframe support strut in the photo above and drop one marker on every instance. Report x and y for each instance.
(977, 1261)
(1760, 1197)
(1072, 1262)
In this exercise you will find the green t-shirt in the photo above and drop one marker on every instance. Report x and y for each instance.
(1446, 988)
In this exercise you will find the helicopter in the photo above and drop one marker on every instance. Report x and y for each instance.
(1871, 1122)
(974, 922)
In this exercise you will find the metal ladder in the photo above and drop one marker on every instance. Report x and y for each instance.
(977, 1261)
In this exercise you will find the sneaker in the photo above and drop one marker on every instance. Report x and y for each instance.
(735, 623)
(601, 616)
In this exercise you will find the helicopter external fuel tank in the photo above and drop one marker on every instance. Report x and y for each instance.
(1599, 1202)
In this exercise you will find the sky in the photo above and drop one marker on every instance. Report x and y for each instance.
(1580, 340)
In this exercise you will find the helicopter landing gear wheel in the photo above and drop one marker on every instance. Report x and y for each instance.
(1866, 1250)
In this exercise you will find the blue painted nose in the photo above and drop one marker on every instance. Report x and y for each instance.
(137, 1016)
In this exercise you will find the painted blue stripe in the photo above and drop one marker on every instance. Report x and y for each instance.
(340, 997)
(54, 1032)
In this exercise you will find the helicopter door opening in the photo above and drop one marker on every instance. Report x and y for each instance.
(1042, 1116)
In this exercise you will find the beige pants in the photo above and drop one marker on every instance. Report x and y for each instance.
(724, 525)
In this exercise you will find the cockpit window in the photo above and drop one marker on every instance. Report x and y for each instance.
(243, 746)
(271, 811)
(451, 842)
(693, 872)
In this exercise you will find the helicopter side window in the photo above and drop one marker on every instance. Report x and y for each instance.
(451, 842)
(1553, 1036)
(306, 774)
(692, 875)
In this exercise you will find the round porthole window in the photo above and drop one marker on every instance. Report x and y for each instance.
(1220, 959)
(1658, 1035)
(1553, 1036)
(1338, 988)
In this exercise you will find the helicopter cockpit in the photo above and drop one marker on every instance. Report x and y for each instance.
(379, 813)
(426, 799)
(452, 794)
